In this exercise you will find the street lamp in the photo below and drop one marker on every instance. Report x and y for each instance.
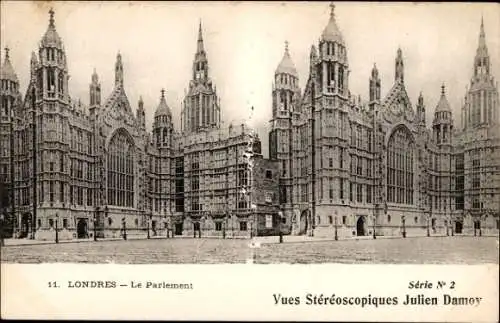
(404, 226)
(57, 228)
(95, 229)
(336, 234)
(124, 229)
(280, 226)
(224, 226)
(428, 232)
(147, 223)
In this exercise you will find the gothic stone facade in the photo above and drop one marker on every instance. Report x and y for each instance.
(356, 166)
(95, 169)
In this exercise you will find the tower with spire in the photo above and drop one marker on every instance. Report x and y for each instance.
(201, 109)
(481, 101)
(9, 103)
(285, 95)
(421, 110)
(374, 85)
(399, 75)
(332, 62)
(162, 124)
(94, 92)
(442, 125)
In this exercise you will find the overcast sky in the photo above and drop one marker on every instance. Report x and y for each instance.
(245, 42)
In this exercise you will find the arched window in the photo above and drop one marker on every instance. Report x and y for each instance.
(400, 167)
(121, 170)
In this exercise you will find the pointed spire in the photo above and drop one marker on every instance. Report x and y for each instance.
(7, 71)
(95, 77)
(141, 103)
(51, 19)
(51, 38)
(331, 31)
(421, 99)
(162, 108)
(482, 50)
(399, 73)
(200, 47)
(374, 71)
(286, 65)
(443, 105)
(118, 70)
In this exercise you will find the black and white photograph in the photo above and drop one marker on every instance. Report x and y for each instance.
(153, 133)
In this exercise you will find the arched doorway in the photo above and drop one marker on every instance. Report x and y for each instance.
(304, 222)
(458, 227)
(178, 228)
(360, 226)
(82, 228)
(25, 225)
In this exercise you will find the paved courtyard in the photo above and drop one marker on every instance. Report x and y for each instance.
(434, 250)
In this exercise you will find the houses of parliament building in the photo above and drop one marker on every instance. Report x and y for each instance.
(336, 163)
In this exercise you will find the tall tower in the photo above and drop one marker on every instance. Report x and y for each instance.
(481, 101)
(201, 106)
(52, 125)
(285, 94)
(442, 125)
(9, 101)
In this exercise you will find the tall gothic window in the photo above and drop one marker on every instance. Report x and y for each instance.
(121, 170)
(400, 167)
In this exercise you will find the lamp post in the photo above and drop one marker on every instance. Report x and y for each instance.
(280, 226)
(124, 229)
(428, 232)
(336, 233)
(95, 224)
(224, 226)
(147, 224)
(57, 228)
(451, 227)
(404, 226)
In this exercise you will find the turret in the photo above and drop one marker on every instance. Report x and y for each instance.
(52, 76)
(421, 110)
(443, 123)
(95, 90)
(118, 70)
(286, 82)
(333, 58)
(141, 115)
(399, 70)
(162, 124)
(374, 85)
(9, 88)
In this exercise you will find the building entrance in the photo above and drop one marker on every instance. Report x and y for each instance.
(360, 226)
(178, 229)
(458, 227)
(25, 225)
(82, 229)
(304, 222)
